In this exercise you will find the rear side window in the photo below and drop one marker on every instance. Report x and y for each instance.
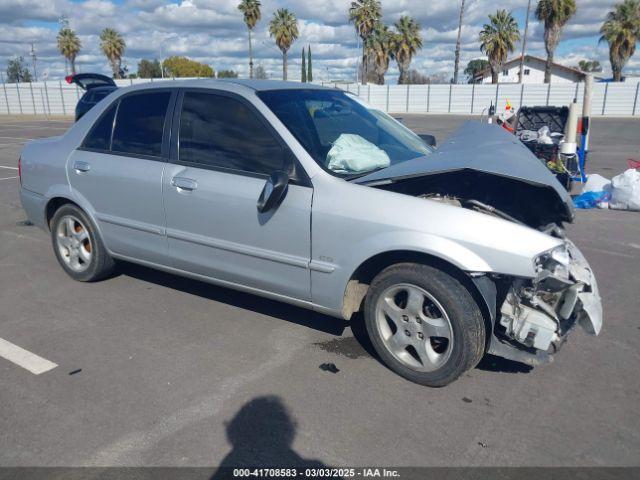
(140, 123)
(97, 96)
(219, 131)
(99, 137)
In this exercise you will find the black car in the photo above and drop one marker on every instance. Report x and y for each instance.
(96, 86)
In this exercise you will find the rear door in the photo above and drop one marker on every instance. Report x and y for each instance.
(224, 153)
(118, 172)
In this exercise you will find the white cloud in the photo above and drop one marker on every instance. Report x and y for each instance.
(213, 31)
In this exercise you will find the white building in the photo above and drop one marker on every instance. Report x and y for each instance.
(533, 72)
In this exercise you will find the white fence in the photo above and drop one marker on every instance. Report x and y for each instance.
(609, 99)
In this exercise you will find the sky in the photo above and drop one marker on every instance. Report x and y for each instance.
(213, 32)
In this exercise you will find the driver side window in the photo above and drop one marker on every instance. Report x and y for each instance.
(222, 132)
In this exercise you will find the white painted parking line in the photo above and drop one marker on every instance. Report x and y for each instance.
(16, 138)
(10, 168)
(7, 178)
(24, 358)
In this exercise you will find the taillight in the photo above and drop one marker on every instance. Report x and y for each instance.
(69, 78)
(20, 169)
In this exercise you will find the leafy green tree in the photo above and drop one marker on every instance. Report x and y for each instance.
(378, 48)
(227, 74)
(405, 44)
(252, 14)
(303, 78)
(185, 67)
(112, 45)
(497, 39)
(284, 28)
(621, 30)
(474, 67)
(69, 45)
(555, 14)
(17, 71)
(365, 15)
(309, 66)
(149, 68)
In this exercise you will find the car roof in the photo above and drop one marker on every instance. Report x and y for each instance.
(229, 84)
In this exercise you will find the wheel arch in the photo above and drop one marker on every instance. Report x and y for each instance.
(359, 281)
(52, 206)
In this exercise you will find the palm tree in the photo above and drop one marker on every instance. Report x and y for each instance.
(69, 45)
(405, 44)
(365, 15)
(457, 54)
(555, 14)
(498, 39)
(112, 45)
(251, 11)
(378, 47)
(621, 30)
(284, 28)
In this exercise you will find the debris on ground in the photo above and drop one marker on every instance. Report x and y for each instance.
(625, 191)
(329, 367)
(466, 400)
(73, 372)
(596, 192)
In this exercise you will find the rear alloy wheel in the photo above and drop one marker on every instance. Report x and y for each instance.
(424, 324)
(79, 250)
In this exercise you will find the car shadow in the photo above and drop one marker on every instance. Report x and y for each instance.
(247, 301)
(491, 363)
(261, 435)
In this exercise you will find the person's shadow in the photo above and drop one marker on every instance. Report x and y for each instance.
(262, 433)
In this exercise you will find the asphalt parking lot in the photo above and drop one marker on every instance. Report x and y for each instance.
(153, 369)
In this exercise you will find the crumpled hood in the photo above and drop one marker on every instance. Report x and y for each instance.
(484, 148)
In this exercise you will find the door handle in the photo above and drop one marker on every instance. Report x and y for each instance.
(80, 167)
(182, 183)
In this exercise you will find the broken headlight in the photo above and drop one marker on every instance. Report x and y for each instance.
(553, 269)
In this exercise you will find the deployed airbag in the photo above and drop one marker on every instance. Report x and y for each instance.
(352, 154)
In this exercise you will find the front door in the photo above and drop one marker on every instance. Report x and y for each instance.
(118, 172)
(224, 153)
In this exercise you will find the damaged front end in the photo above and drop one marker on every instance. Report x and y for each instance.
(537, 314)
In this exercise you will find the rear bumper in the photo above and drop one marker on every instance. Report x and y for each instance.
(34, 205)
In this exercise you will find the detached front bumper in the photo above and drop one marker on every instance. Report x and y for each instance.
(538, 314)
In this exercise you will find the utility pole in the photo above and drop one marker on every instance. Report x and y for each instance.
(524, 43)
(457, 61)
(33, 62)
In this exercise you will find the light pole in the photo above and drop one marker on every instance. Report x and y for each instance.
(524, 43)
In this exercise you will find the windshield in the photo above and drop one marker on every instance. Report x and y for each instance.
(342, 134)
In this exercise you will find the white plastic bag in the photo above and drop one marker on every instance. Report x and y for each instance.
(625, 194)
(543, 136)
(596, 183)
(352, 154)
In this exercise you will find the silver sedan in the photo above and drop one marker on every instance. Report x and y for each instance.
(307, 195)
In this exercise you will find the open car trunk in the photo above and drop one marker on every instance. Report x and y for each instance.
(87, 81)
(484, 168)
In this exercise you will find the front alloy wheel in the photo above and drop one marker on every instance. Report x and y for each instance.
(414, 327)
(424, 324)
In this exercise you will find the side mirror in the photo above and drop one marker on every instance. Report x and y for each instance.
(273, 191)
(428, 139)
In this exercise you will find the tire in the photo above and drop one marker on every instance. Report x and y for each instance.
(439, 329)
(78, 246)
